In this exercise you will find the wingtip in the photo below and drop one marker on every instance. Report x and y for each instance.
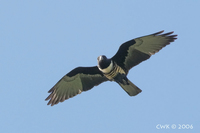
(157, 33)
(168, 33)
(51, 90)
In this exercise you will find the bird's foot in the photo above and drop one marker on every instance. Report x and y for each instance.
(121, 78)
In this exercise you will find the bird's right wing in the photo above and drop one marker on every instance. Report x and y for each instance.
(139, 49)
(78, 80)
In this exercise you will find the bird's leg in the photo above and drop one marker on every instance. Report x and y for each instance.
(121, 78)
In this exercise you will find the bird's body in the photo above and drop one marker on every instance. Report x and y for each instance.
(130, 54)
(114, 72)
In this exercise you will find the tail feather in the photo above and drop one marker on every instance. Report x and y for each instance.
(130, 88)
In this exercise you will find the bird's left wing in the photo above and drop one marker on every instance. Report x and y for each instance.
(137, 50)
(78, 80)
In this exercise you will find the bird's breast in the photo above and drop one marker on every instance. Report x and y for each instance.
(113, 73)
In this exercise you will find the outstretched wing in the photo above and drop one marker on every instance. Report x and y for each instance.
(78, 80)
(132, 52)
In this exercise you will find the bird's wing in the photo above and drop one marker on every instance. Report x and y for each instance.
(132, 52)
(78, 80)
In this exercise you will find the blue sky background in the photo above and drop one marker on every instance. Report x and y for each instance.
(42, 40)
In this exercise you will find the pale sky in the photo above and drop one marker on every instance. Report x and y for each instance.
(42, 40)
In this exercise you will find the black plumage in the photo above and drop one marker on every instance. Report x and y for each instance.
(130, 54)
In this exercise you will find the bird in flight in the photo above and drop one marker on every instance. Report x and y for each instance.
(130, 54)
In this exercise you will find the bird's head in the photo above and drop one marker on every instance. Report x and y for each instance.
(104, 64)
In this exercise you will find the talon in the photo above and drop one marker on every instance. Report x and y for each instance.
(121, 78)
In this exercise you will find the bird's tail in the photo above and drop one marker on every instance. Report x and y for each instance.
(130, 88)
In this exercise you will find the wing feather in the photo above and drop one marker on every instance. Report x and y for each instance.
(78, 80)
(133, 52)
